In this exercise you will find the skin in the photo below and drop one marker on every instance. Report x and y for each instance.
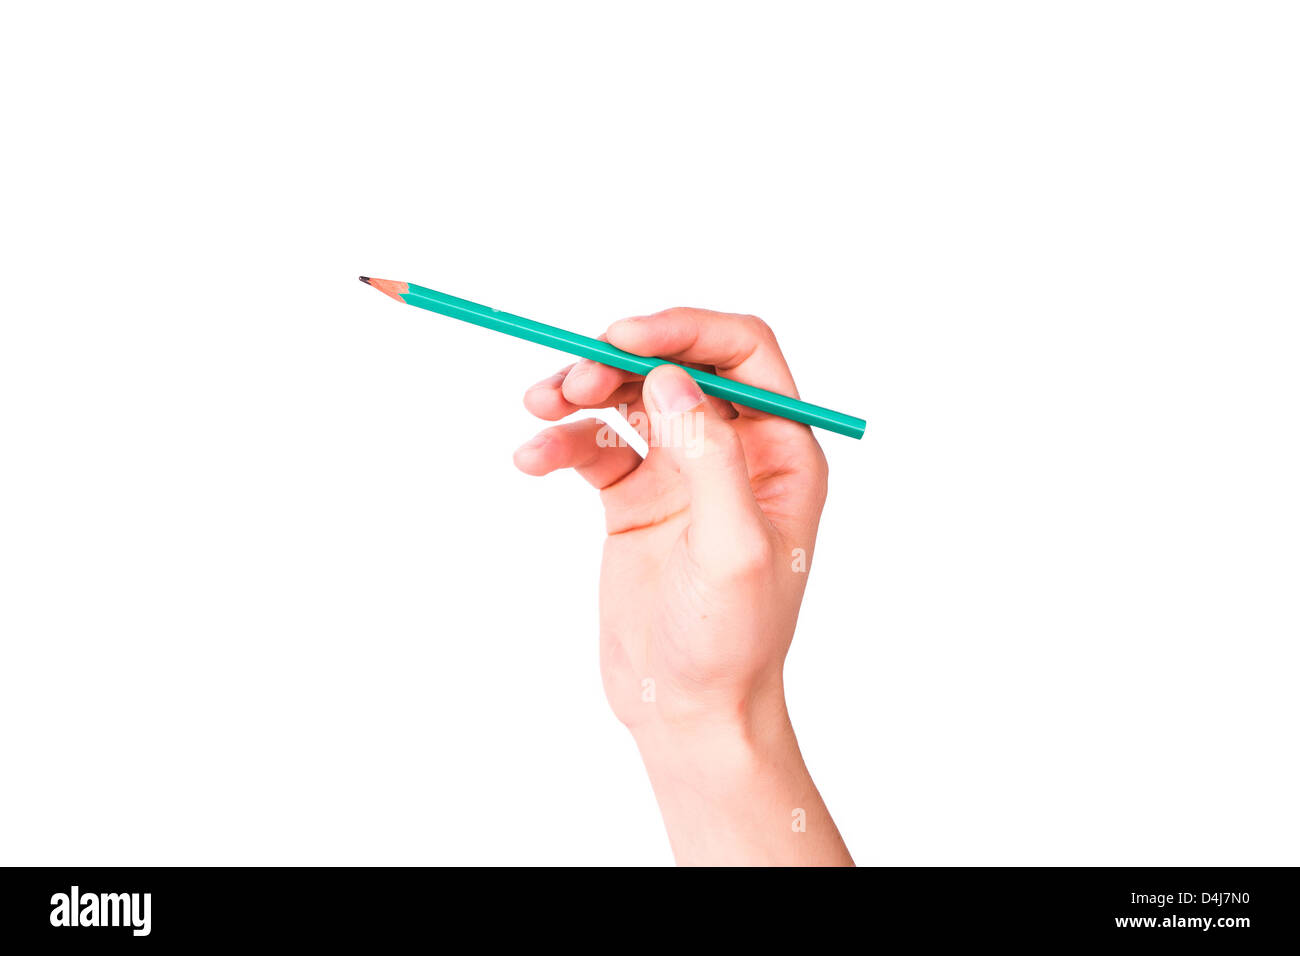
(701, 582)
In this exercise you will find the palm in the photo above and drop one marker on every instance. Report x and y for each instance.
(653, 596)
(702, 573)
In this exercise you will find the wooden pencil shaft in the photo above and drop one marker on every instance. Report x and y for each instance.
(586, 347)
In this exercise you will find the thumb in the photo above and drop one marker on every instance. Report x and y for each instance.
(726, 524)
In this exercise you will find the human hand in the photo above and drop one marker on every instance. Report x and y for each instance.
(708, 543)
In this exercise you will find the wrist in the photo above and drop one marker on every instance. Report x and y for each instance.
(710, 740)
(732, 786)
(727, 786)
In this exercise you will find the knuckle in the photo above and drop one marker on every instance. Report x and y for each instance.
(715, 441)
(750, 554)
(759, 328)
(821, 473)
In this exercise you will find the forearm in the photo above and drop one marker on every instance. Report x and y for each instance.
(740, 795)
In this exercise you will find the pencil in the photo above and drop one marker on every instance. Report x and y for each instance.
(598, 351)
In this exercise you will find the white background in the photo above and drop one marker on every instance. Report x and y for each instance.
(272, 592)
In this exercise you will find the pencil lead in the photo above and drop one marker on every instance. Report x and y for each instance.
(365, 279)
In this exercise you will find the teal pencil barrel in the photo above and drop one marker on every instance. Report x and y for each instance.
(586, 347)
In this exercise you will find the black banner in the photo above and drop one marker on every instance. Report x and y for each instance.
(93, 907)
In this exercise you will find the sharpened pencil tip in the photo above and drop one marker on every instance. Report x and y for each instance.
(389, 287)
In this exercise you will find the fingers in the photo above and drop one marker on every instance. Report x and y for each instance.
(581, 446)
(584, 384)
(706, 451)
(590, 383)
(740, 347)
(545, 400)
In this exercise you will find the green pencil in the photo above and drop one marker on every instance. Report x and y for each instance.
(598, 351)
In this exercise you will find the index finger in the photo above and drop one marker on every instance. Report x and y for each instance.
(740, 347)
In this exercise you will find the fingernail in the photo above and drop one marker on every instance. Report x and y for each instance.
(675, 391)
(537, 441)
(550, 381)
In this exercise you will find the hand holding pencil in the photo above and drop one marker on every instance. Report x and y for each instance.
(709, 540)
(708, 543)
